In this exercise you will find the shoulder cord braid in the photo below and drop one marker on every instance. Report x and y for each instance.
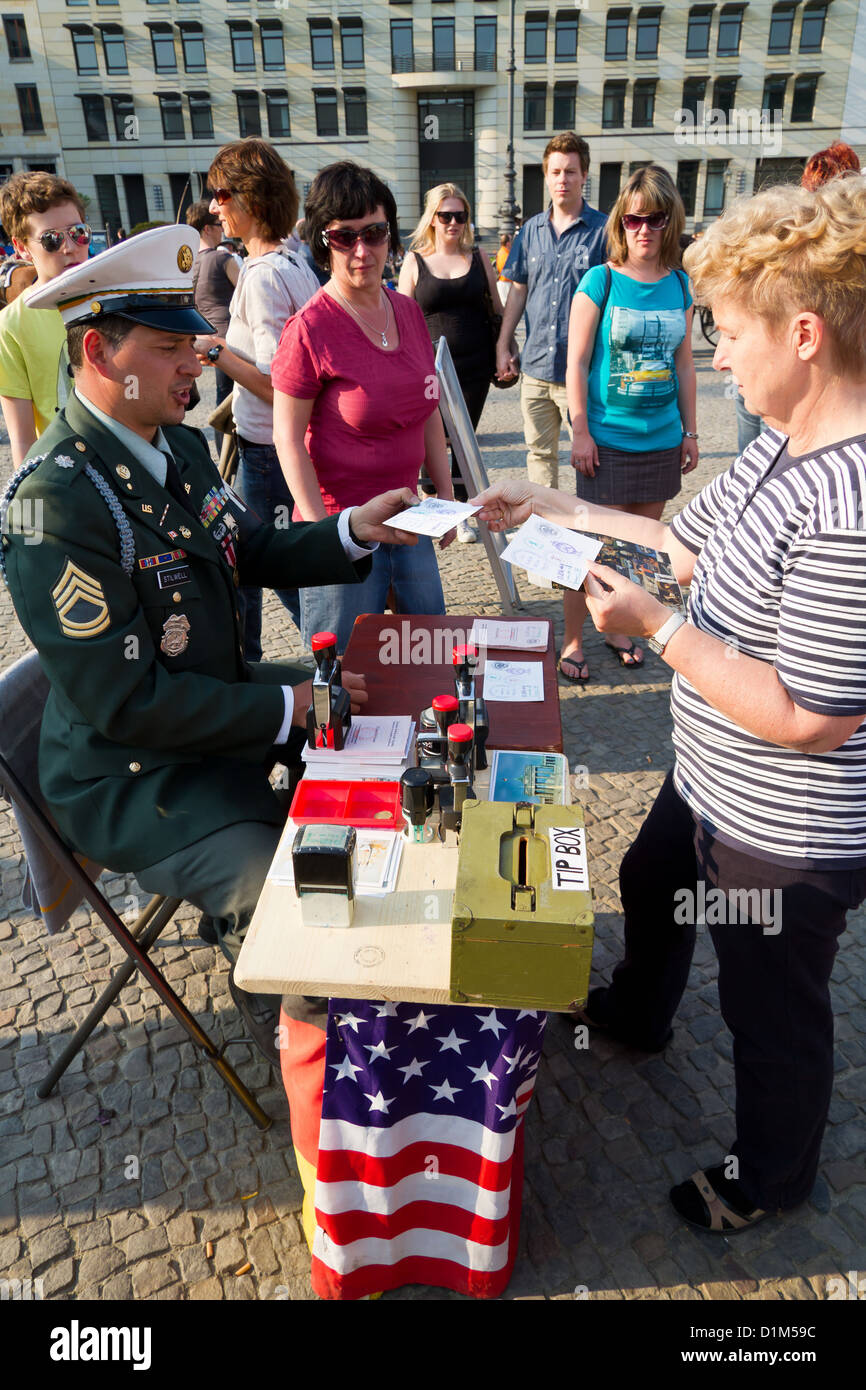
(121, 521)
(6, 501)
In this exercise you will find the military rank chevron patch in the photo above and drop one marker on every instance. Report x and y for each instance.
(80, 603)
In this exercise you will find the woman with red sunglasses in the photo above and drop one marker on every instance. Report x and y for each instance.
(631, 378)
(453, 282)
(355, 396)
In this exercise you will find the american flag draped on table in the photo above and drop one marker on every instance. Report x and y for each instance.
(418, 1167)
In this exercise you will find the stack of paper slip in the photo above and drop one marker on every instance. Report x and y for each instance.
(505, 632)
(376, 747)
(378, 856)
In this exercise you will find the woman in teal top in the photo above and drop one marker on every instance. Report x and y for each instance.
(630, 377)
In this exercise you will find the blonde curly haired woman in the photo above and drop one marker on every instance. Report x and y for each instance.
(453, 283)
(760, 829)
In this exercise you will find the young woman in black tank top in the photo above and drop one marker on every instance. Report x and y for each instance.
(448, 276)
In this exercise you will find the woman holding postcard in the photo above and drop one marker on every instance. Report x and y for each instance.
(355, 398)
(630, 377)
(764, 813)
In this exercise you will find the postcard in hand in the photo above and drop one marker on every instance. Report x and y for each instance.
(642, 565)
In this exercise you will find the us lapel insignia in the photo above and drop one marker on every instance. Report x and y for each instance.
(188, 487)
(80, 604)
(175, 634)
(146, 507)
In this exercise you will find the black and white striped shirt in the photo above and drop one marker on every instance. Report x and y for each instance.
(780, 576)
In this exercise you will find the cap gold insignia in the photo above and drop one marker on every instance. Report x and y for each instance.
(185, 258)
(122, 471)
(95, 307)
(80, 594)
(175, 634)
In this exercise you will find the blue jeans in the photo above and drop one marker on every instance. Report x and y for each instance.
(411, 569)
(260, 483)
(749, 426)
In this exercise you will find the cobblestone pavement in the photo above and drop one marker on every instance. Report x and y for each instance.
(124, 1209)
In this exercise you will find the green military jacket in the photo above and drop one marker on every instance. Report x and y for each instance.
(156, 731)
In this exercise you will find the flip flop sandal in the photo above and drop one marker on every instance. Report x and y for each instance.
(718, 1217)
(579, 665)
(622, 652)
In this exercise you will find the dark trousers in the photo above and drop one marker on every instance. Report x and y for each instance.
(774, 972)
(261, 484)
(475, 391)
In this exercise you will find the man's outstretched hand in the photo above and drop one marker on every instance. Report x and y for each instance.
(367, 522)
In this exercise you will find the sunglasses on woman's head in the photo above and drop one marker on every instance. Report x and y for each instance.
(446, 217)
(79, 234)
(346, 238)
(656, 221)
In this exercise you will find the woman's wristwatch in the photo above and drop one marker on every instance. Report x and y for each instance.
(659, 640)
(687, 434)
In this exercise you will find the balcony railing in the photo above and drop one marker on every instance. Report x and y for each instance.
(450, 61)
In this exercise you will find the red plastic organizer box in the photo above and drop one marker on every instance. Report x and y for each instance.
(374, 805)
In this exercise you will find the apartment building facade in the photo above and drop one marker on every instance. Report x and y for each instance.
(131, 101)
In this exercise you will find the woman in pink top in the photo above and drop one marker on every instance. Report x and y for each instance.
(355, 398)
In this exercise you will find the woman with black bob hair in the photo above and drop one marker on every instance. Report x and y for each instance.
(355, 397)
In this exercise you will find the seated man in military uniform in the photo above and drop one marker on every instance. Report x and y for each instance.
(158, 737)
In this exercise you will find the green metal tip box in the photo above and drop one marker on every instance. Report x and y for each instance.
(521, 930)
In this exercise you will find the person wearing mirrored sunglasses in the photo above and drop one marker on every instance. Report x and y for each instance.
(355, 409)
(449, 277)
(44, 215)
(630, 378)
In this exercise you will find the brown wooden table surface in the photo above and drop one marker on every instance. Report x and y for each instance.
(407, 660)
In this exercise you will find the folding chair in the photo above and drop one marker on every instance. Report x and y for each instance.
(57, 881)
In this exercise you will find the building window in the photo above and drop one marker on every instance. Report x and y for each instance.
(322, 42)
(95, 124)
(150, 2)
(609, 178)
(565, 43)
(249, 114)
(647, 39)
(327, 122)
(277, 105)
(564, 105)
(200, 115)
(770, 172)
(443, 45)
(535, 37)
(694, 91)
(534, 105)
(616, 35)
(812, 28)
(724, 94)
(352, 42)
(714, 192)
(613, 105)
(162, 43)
(273, 48)
(698, 33)
(402, 47)
(16, 38)
(123, 111)
(687, 183)
(171, 111)
(803, 105)
(781, 28)
(355, 104)
(114, 48)
(643, 102)
(192, 40)
(106, 197)
(775, 89)
(31, 111)
(84, 47)
(730, 30)
(485, 44)
(243, 52)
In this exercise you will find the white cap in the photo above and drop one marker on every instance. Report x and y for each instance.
(147, 278)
